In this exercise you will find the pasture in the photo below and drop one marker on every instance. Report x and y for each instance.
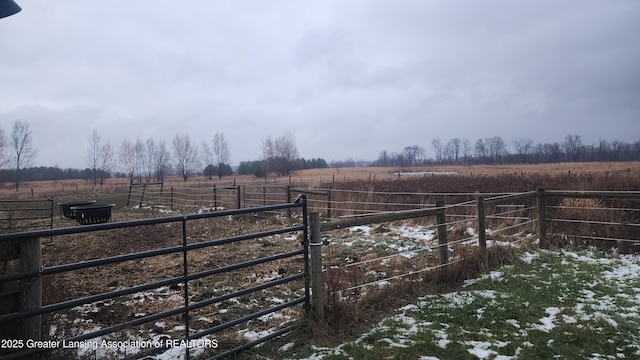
(315, 177)
(370, 271)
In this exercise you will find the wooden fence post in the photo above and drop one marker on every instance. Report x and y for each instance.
(329, 203)
(482, 240)
(315, 252)
(239, 194)
(542, 222)
(215, 198)
(442, 238)
(171, 199)
(31, 288)
(144, 188)
(129, 195)
(289, 197)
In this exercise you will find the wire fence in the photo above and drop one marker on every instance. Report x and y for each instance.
(376, 254)
(25, 215)
(383, 252)
(364, 258)
(605, 219)
(374, 240)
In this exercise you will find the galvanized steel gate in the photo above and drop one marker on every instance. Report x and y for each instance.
(27, 313)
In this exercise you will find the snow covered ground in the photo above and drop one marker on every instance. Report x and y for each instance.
(552, 303)
(565, 304)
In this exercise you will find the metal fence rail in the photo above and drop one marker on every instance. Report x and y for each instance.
(25, 215)
(28, 317)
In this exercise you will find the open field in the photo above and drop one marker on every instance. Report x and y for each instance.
(317, 177)
(548, 304)
(393, 247)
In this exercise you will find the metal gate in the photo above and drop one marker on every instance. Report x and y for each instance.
(27, 278)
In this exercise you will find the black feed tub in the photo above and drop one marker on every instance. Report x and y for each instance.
(65, 207)
(93, 214)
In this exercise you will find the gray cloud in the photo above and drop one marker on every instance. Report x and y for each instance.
(349, 79)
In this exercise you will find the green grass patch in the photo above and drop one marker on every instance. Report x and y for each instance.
(569, 305)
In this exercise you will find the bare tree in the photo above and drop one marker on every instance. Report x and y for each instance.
(414, 154)
(147, 151)
(617, 149)
(456, 145)
(161, 161)
(482, 150)
(552, 152)
(466, 150)
(451, 151)
(127, 157)
(383, 158)
(437, 149)
(4, 154)
(140, 158)
(207, 159)
(99, 157)
(603, 149)
(286, 152)
(398, 159)
(93, 155)
(523, 148)
(106, 160)
(448, 154)
(268, 154)
(185, 154)
(221, 153)
(573, 147)
(497, 149)
(23, 150)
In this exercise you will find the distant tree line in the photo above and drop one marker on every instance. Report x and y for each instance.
(49, 173)
(17, 150)
(150, 160)
(495, 150)
(280, 157)
(258, 167)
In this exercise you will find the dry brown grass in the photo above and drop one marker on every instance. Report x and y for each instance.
(351, 315)
(390, 173)
(81, 283)
(347, 313)
(315, 177)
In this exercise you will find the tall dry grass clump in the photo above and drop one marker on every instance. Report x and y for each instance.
(349, 313)
(604, 224)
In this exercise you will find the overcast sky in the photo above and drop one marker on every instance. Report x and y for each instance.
(348, 78)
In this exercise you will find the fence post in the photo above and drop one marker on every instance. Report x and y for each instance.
(238, 193)
(442, 238)
(482, 240)
(144, 188)
(31, 288)
(129, 196)
(51, 213)
(329, 203)
(289, 197)
(542, 222)
(171, 201)
(215, 198)
(315, 252)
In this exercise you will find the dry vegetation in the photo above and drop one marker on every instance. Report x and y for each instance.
(95, 245)
(347, 312)
(315, 177)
